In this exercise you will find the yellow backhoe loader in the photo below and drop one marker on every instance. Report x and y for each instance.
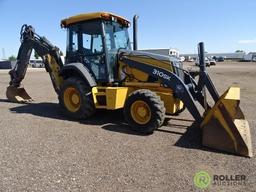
(101, 71)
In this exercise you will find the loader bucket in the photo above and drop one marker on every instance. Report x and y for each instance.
(225, 127)
(17, 95)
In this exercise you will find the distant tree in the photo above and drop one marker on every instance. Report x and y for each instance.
(12, 58)
(61, 53)
(239, 51)
(36, 55)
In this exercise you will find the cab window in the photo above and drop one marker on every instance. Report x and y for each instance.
(86, 46)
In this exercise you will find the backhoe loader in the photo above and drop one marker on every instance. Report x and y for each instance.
(102, 71)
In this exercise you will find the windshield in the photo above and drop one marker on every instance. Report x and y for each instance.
(116, 36)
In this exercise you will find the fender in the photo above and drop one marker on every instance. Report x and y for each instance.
(74, 69)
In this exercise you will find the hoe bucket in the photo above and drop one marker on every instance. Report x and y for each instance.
(225, 127)
(18, 95)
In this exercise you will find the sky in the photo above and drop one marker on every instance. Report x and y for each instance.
(224, 25)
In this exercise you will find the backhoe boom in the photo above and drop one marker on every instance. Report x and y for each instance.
(48, 52)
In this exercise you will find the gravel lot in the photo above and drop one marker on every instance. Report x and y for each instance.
(40, 150)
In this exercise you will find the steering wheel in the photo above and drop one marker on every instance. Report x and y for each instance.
(95, 59)
(86, 60)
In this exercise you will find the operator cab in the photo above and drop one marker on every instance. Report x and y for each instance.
(94, 39)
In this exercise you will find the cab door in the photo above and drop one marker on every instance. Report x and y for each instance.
(86, 46)
(93, 55)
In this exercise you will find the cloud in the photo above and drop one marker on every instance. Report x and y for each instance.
(248, 41)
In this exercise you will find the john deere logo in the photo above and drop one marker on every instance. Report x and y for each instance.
(202, 179)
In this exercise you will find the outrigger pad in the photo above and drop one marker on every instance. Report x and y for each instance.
(225, 127)
(17, 95)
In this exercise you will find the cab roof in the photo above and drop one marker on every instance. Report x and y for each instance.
(91, 16)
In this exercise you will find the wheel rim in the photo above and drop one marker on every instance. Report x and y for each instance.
(72, 99)
(140, 112)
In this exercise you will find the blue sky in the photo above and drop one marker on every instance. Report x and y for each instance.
(223, 25)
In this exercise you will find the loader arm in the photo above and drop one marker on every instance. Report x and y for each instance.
(48, 52)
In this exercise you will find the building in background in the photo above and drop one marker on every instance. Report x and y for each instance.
(166, 52)
(5, 64)
(239, 56)
(250, 56)
(36, 63)
(230, 56)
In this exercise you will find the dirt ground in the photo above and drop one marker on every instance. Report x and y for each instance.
(40, 150)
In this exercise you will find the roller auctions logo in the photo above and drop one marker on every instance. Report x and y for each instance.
(202, 179)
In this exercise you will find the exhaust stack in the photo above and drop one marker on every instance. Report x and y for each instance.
(135, 32)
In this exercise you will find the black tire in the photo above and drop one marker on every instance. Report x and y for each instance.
(156, 106)
(86, 108)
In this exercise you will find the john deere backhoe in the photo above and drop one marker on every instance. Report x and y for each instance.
(101, 71)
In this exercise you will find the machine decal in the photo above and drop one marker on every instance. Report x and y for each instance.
(161, 74)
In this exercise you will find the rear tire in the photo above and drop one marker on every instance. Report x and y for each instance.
(144, 111)
(75, 99)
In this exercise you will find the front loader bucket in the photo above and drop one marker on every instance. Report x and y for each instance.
(17, 95)
(225, 127)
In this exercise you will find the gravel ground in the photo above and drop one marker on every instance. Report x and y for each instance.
(40, 150)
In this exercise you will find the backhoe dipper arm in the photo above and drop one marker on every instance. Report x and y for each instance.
(48, 52)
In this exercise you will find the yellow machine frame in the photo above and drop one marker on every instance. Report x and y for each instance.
(116, 96)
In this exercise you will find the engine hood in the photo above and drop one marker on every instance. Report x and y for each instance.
(152, 58)
(155, 60)
(155, 56)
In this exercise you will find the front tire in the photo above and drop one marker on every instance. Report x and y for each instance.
(144, 111)
(75, 99)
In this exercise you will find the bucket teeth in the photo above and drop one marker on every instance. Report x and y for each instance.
(17, 95)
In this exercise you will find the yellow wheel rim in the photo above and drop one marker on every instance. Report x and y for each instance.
(72, 99)
(140, 112)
